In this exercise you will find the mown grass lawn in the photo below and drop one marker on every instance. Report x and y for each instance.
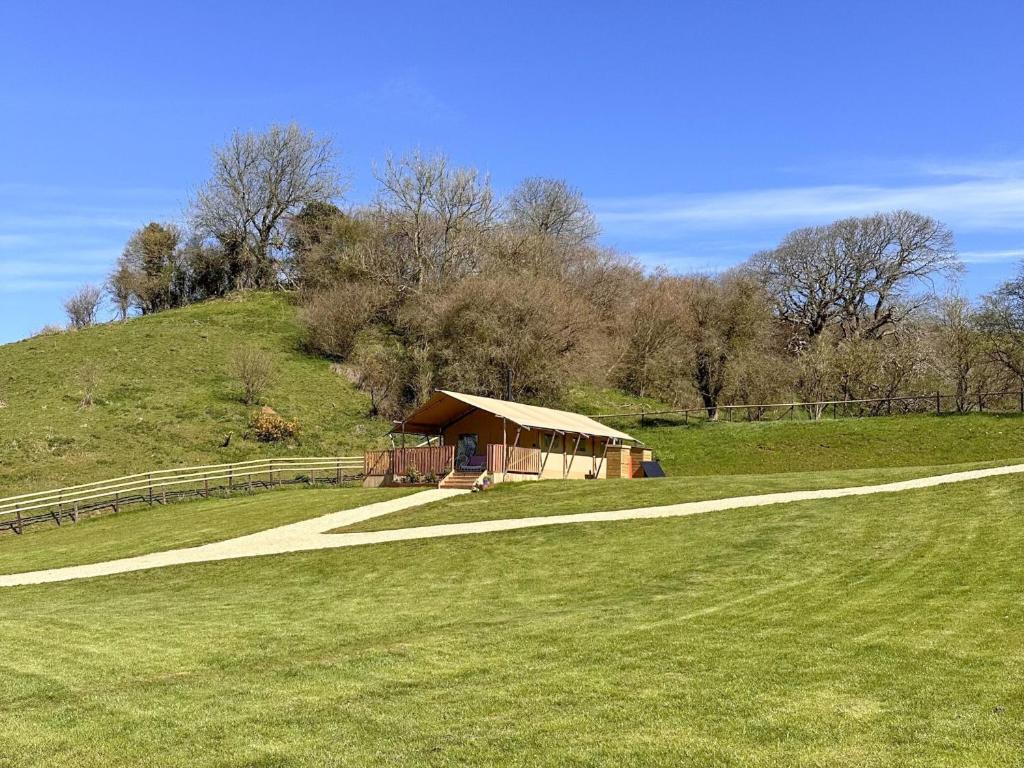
(566, 497)
(140, 530)
(876, 631)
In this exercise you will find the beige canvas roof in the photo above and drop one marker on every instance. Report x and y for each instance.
(444, 407)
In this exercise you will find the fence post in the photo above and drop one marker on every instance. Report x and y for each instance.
(117, 501)
(938, 403)
(337, 466)
(206, 485)
(231, 478)
(150, 478)
(17, 512)
(981, 403)
(1022, 400)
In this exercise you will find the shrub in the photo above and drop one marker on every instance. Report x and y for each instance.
(332, 318)
(383, 370)
(88, 382)
(268, 426)
(83, 307)
(253, 369)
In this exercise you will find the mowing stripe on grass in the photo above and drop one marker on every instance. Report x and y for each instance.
(313, 534)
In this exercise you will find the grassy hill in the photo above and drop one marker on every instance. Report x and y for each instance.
(165, 396)
(855, 632)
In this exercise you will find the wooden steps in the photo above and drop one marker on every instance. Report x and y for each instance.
(461, 480)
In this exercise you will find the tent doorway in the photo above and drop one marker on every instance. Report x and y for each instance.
(466, 448)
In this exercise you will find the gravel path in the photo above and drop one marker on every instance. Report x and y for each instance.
(313, 534)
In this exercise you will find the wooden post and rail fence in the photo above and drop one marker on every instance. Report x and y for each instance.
(167, 485)
(933, 402)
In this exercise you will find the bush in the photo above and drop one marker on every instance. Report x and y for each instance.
(332, 318)
(88, 382)
(83, 307)
(268, 426)
(253, 369)
(383, 370)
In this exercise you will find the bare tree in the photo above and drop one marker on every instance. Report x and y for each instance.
(814, 369)
(651, 335)
(431, 215)
(84, 306)
(694, 329)
(253, 369)
(958, 350)
(723, 318)
(858, 274)
(1001, 320)
(120, 288)
(259, 180)
(552, 207)
(489, 337)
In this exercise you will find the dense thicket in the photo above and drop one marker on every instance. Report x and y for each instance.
(440, 282)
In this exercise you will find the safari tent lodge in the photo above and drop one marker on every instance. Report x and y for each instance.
(467, 440)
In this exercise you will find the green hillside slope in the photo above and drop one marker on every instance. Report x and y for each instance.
(165, 396)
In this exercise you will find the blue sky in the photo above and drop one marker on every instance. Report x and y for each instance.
(701, 132)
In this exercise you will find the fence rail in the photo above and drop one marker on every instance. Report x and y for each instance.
(513, 459)
(165, 485)
(933, 402)
(423, 460)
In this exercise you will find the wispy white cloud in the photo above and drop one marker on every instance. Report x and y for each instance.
(55, 191)
(53, 240)
(682, 262)
(83, 264)
(29, 285)
(62, 220)
(1003, 168)
(965, 205)
(992, 257)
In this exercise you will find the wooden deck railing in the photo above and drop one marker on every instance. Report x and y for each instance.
(424, 460)
(520, 460)
(165, 485)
